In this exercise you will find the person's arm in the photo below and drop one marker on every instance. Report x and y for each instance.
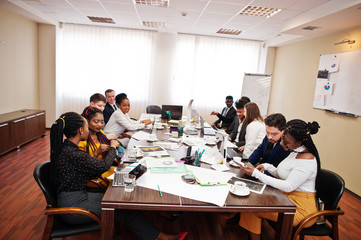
(257, 154)
(127, 123)
(297, 176)
(229, 116)
(254, 135)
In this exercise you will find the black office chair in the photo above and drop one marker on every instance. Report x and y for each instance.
(55, 227)
(154, 109)
(330, 191)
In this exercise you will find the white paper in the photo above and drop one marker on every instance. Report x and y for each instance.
(160, 162)
(211, 177)
(330, 63)
(173, 184)
(141, 136)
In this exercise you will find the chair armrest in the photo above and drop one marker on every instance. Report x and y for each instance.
(67, 210)
(98, 184)
(106, 180)
(313, 216)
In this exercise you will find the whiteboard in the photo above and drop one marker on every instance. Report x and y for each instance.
(338, 83)
(257, 87)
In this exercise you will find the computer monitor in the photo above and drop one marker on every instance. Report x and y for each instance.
(175, 111)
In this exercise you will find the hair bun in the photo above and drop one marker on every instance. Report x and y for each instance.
(313, 127)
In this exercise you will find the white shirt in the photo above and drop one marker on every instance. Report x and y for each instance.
(239, 129)
(119, 122)
(292, 174)
(255, 133)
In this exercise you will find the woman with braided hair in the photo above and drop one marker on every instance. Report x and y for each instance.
(72, 168)
(296, 176)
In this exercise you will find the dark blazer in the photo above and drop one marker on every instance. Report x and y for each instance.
(241, 141)
(277, 155)
(231, 127)
(226, 120)
(108, 111)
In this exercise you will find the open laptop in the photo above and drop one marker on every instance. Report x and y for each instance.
(175, 111)
(206, 130)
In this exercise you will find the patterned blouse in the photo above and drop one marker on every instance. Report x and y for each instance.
(75, 168)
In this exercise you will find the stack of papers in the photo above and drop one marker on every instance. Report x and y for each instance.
(140, 136)
(207, 177)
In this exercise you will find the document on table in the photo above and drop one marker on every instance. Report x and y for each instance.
(173, 184)
(140, 135)
(207, 177)
(160, 162)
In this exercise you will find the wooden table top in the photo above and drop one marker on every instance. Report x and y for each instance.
(148, 199)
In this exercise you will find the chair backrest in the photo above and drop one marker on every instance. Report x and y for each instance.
(42, 177)
(331, 188)
(154, 109)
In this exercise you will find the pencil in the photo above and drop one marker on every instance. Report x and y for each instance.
(160, 193)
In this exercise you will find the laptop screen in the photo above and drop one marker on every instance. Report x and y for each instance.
(175, 111)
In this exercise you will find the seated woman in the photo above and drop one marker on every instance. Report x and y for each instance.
(72, 168)
(255, 130)
(120, 121)
(296, 176)
(97, 144)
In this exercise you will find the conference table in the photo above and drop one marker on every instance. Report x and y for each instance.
(271, 200)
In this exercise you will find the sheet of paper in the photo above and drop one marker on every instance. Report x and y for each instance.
(140, 136)
(160, 162)
(210, 177)
(173, 184)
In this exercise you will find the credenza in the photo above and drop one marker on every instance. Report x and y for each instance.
(20, 127)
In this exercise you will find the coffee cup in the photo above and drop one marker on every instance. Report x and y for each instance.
(240, 186)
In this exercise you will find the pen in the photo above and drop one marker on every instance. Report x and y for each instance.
(160, 193)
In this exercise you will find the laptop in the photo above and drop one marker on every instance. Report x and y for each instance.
(176, 111)
(206, 130)
(233, 152)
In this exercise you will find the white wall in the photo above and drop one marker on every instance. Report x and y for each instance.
(293, 85)
(18, 63)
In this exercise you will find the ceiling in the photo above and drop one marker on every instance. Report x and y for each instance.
(203, 17)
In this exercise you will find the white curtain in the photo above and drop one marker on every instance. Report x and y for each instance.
(208, 69)
(93, 59)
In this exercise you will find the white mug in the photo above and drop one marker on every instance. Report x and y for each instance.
(240, 186)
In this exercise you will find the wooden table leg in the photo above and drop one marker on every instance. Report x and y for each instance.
(284, 226)
(107, 223)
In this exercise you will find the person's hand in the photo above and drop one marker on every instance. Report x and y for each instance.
(124, 135)
(147, 121)
(260, 168)
(241, 149)
(248, 169)
(104, 148)
(213, 125)
(114, 143)
(111, 136)
(214, 113)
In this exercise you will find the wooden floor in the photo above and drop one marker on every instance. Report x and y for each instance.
(22, 204)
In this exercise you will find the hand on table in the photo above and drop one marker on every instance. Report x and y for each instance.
(147, 122)
(248, 169)
(241, 149)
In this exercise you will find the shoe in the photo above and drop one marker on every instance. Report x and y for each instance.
(234, 219)
(182, 235)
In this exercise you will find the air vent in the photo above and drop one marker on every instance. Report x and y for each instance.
(229, 31)
(101, 20)
(154, 3)
(154, 24)
(310, 28)
(260, 11)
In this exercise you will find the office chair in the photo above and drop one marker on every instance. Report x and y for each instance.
(55, 227)
(154, 109)
(330, 191)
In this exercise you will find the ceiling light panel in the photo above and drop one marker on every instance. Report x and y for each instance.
(154, 3)
(154, 24)
(101, 20)
(229, 31)
(259, 11)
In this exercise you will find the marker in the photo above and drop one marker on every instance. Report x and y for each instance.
(160, 193)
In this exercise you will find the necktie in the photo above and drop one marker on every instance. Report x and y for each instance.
(268, 152)
(115, 107)
(225, 112)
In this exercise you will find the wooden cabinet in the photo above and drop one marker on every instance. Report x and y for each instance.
(20, 127)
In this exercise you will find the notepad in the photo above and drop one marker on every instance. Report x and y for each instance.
(207, 177)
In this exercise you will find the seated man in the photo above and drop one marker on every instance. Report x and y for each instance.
(226, 117)
(97, 100)
(235, 119)
(239, 131)
(270, 150)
